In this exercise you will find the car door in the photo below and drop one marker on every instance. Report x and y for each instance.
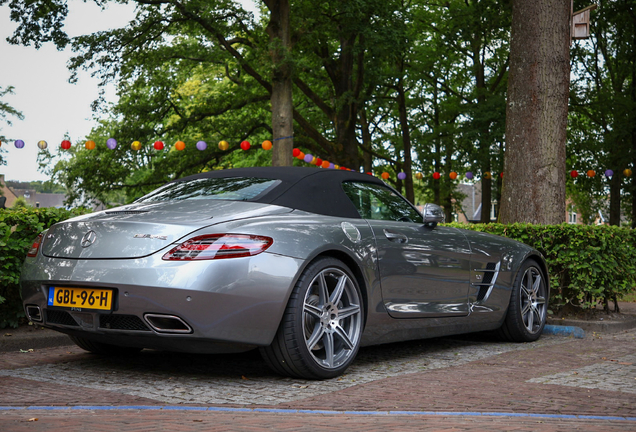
(424, 270)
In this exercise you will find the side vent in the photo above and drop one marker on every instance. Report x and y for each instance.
(488, 280)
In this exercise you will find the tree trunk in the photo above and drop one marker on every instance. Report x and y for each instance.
(406, 140)
(615, 199)
(281, 99)
(367, 158)
(536, 113)
(486, 196)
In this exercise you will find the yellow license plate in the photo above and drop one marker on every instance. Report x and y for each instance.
(82, 298)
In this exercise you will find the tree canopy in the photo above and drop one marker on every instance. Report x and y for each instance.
(397, 86)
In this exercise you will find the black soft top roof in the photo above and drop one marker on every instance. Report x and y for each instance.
(315, 190)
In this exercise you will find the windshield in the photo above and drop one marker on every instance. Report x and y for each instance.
(231, 189)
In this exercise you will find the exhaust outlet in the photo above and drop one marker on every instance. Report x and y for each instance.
(167, 323)
(34, 313)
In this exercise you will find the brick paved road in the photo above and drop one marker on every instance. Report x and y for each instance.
(558, 380)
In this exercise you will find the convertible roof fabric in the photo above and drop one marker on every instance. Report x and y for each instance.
(313, 190)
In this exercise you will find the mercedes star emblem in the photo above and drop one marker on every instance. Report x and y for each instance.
(89, 238)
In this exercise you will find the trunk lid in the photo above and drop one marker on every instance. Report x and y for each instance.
(139, 230)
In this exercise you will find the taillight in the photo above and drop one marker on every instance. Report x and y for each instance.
(219, 246)
(33, 252)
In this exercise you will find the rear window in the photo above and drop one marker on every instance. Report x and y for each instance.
(231, 189)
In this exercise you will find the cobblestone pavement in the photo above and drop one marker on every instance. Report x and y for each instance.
(468, 383)
(244, 379)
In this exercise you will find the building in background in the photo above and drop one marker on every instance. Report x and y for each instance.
(32, 197)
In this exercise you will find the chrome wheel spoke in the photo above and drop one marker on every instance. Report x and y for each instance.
(530, 319)
(348, 311)
(526, 309)
(329, 349)
(316, 336)
(525, 291)
(337, 293)
(314, 311)
(323, 290)
(342, 334)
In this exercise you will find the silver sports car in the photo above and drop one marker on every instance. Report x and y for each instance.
(305, 264)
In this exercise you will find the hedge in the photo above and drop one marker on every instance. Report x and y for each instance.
(18, 229)
(587, 264)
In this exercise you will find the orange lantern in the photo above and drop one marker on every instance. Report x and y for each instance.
(591, 173)
(267, 145)
(90, 145)
(325, 164)
(385, 175)
(453, 175)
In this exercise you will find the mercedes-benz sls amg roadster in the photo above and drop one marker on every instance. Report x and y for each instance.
(305, 264)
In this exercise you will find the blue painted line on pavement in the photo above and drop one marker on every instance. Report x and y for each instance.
(558, 330)
(308, 411)
(185, 408)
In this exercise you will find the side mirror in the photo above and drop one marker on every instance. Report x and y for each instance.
(432, 214)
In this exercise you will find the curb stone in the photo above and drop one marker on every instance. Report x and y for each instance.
(594, 326)
(562, 330)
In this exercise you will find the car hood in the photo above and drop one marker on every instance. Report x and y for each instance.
(138, 230)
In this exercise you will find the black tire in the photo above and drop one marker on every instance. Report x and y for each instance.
(528, 307)
(319, 335)
(102, 348)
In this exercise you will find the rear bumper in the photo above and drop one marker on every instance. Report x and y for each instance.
(225, 303)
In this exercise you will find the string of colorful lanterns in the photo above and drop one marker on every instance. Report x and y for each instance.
(111, 143)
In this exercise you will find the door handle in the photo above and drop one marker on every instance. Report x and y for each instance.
(395, 237)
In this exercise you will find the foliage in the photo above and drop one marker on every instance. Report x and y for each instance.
(587, 264)
(18, 228)
(376, 83)
(603, 108)
(6, 112)
(21, 202)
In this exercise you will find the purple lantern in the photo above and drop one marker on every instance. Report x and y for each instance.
(609, 173)
(201, 145)
(469, 175)
(111, 143)
(331, 165)
(401, 176)
(19, 144)
(308, 158)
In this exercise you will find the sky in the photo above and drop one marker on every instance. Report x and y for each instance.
(51, 105)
